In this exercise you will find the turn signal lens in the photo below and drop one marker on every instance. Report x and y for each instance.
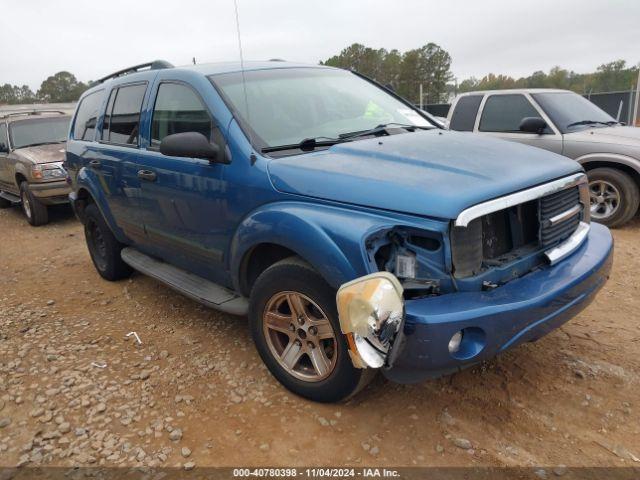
(371, 310)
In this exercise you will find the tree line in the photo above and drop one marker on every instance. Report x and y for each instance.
(614, 76)
(62, 87)
(429, 66)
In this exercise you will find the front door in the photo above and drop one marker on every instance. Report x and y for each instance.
(501, 117)
(6, 180)
(182, 199)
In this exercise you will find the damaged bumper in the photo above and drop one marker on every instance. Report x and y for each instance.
(447, 333)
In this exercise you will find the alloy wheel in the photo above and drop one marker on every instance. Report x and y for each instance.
(605, 199)
(26, 204)
(300, 336)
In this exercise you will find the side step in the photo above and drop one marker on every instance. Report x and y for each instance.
(10, 197)
(195, 287)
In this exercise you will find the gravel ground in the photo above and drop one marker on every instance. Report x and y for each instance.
(75, 390)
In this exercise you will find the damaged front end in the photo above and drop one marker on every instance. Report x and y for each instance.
(371, 311)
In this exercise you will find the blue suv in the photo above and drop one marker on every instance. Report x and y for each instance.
(356, 234)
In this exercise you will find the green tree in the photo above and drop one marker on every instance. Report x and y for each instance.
(428, 65)
(61, 87)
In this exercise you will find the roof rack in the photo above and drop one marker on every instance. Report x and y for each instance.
(13, 113)
(155, 65)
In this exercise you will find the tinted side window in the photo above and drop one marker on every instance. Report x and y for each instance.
(86, 116)
(464, 115)
(178, 109)
(124, 122)
(106, 123)
(4, 144)
(503, 113)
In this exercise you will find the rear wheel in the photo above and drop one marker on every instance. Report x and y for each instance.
(36, 213)
(614, 196)
(294, 323)
(103, 246)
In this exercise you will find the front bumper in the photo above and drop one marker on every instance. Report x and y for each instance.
(51, 192)
(523, 310)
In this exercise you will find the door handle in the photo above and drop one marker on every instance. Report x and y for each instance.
(94, 164)
(147, 175)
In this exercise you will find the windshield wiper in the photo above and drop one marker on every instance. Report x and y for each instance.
(588, 122)
(310, 144)
(306, 145)
(382, 128)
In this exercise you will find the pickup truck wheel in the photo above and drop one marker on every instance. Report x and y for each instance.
(36, 213)
(614, 196)
(294, 323)
(103, 247)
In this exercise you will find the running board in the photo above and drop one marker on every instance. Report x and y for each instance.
(10, 197)
(195, 287)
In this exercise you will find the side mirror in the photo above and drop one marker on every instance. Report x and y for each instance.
(533, 125)
(4, 148)
(190, 144)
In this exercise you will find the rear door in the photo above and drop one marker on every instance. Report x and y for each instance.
(501, 117)
(183, 199)
(116, 162)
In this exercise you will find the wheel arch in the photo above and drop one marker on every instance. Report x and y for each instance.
(626, 164)
(278, 231)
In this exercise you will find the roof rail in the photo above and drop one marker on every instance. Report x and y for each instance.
(155, 65)
(8, 114)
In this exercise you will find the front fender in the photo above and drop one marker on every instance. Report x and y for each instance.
(610, 158)
(330, 238)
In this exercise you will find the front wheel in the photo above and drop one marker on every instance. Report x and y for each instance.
(36, 213)
(614, 196)
(294, 324)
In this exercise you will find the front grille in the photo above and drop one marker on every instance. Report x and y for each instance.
(552, 206)
(500, 237)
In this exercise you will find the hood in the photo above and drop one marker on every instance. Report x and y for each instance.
(54, 152)
(433, 173)
(627, 136)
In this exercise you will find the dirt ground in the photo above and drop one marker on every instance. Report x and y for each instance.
(195, 392)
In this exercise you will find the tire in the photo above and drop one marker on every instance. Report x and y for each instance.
(290, 278)
(605, 184)
(36, 213)
(103, 247)
(4, 203)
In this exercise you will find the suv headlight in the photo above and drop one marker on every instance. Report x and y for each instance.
(371, 311)
(48, 171)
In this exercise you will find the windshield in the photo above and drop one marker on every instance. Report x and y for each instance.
(288, 105)
(25, 133)
(570, 111)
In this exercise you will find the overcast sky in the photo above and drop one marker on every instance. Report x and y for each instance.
(91, 38)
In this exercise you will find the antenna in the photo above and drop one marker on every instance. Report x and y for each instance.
(244, 81)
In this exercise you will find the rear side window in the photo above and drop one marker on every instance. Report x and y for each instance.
(464, 115)
(178, 109)
(85, 122)
(4, 144)
(124, 115)
(504, 113)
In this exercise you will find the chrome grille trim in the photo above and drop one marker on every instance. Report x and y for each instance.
(476, 211)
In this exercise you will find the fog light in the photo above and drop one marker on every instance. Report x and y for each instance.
(454, 343)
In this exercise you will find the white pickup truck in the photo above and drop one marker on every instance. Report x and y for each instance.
(568, 124)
